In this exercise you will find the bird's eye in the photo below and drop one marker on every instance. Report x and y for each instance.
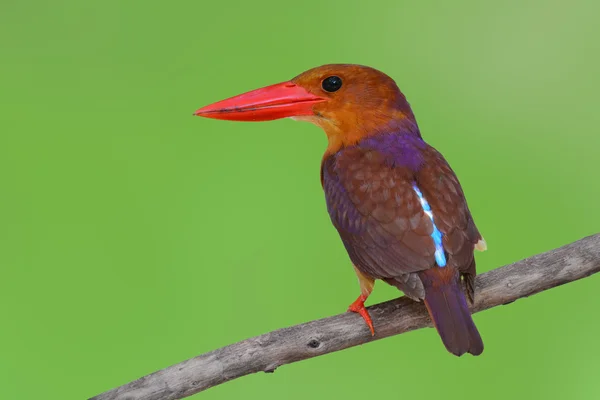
(332, 84)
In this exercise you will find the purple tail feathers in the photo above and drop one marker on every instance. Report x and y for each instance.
(450, 313)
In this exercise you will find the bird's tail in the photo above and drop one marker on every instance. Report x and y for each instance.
(447, 306)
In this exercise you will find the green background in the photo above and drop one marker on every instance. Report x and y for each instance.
(134, 236)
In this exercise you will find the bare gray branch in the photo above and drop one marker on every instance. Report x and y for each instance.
(271, 350)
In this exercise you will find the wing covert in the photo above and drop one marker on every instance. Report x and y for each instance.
(377, 214)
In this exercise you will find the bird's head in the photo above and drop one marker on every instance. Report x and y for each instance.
(348, 101)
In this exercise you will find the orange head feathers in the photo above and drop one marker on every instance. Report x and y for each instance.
(348, 101)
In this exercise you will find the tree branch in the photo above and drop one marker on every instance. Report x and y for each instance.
(271, 350)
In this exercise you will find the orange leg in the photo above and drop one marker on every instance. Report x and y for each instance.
(366, 287)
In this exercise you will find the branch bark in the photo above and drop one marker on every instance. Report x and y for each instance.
(271, 350)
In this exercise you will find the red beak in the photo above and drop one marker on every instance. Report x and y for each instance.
(282, 100)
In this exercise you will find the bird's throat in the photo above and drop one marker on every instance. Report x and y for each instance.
(350, 131)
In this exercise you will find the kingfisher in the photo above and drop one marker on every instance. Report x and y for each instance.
(396, 203)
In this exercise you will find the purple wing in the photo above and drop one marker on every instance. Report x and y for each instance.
(381, 220)
(452, 215)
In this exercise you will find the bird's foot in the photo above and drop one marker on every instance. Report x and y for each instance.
(359, 307)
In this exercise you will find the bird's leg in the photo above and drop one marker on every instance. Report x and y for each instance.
(359, 307)
(366, 287)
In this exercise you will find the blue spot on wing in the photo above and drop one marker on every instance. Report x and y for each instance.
(436, 235)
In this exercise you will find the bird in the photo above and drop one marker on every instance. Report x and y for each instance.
(394, 200)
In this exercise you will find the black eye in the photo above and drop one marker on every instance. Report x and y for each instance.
(332, 84)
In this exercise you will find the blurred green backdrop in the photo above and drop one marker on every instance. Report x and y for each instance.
(134, 236)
